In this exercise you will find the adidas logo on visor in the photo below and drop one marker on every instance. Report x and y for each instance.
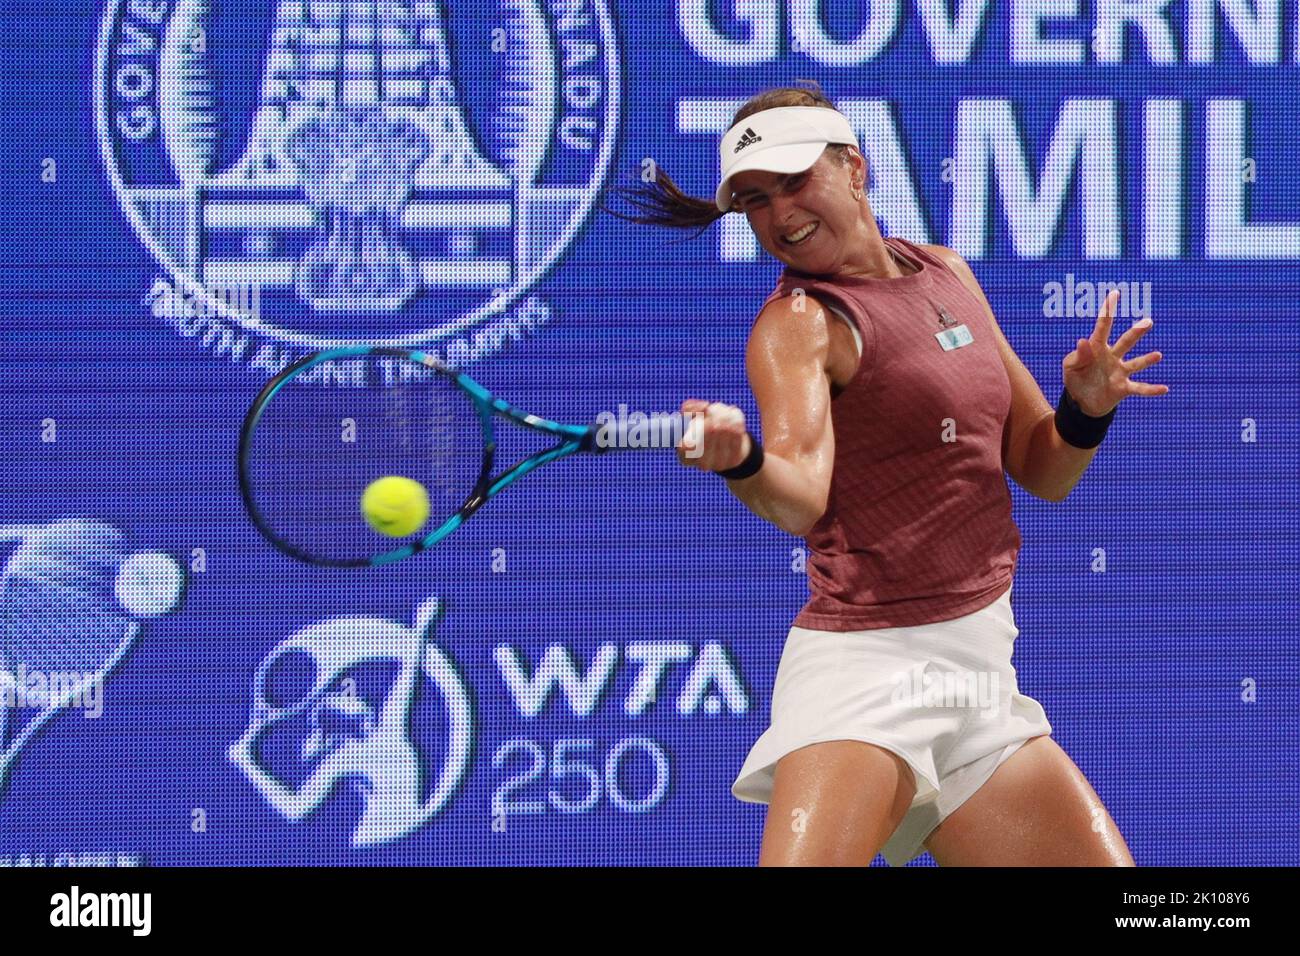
(749, 139)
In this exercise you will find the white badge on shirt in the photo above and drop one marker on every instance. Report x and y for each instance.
(954, 338)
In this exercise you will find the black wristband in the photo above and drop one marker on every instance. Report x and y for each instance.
(753, 461)
(1078, 429)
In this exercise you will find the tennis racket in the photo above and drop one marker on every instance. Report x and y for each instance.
(331, 423)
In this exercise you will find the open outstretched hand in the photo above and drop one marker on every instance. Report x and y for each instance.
(1096, 375)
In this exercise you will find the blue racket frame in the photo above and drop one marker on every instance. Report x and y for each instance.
(573, 438)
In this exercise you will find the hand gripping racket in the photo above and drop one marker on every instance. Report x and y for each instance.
(331, 423)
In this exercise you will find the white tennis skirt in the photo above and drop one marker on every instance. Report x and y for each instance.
(942, 696)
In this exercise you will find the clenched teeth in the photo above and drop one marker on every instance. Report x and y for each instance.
(798, 236)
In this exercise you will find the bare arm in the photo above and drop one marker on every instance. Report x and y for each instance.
(1034, 454)
(786, 361)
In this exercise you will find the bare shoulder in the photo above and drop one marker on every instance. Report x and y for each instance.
(953, 260)
(791, 321)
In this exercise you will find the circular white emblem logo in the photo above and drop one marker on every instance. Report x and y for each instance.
(309, 171)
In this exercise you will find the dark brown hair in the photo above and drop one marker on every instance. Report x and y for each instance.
(662, 203)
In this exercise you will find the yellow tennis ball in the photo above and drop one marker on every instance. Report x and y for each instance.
(395, 506)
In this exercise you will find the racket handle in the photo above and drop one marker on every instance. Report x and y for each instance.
(622, 435)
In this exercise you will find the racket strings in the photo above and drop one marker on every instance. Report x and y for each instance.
(328, 433)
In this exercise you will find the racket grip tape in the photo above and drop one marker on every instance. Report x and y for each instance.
(621, 435)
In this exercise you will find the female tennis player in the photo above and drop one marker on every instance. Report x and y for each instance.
(891, 406)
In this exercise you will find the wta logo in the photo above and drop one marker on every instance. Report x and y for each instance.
(336, 704)
(312, 173)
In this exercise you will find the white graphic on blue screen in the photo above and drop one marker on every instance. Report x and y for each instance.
(73, 594)
(357, 107)
(325, 148)
(364, 702)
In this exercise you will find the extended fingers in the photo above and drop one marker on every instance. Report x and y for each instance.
(1131, 336)
(1137, 365)
(1081, 355)
(1101, 334)
(1143, 361)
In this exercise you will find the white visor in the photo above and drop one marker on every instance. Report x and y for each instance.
(785, 139)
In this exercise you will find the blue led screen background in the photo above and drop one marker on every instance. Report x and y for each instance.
(587, 662)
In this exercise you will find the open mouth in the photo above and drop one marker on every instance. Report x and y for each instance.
(802, 234)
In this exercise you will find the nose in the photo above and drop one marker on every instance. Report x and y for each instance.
(782, 207)
(783, 215)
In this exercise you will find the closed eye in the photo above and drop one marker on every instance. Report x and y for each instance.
(792, 184)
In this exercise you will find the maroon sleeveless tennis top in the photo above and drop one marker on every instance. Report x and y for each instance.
(918, 524)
